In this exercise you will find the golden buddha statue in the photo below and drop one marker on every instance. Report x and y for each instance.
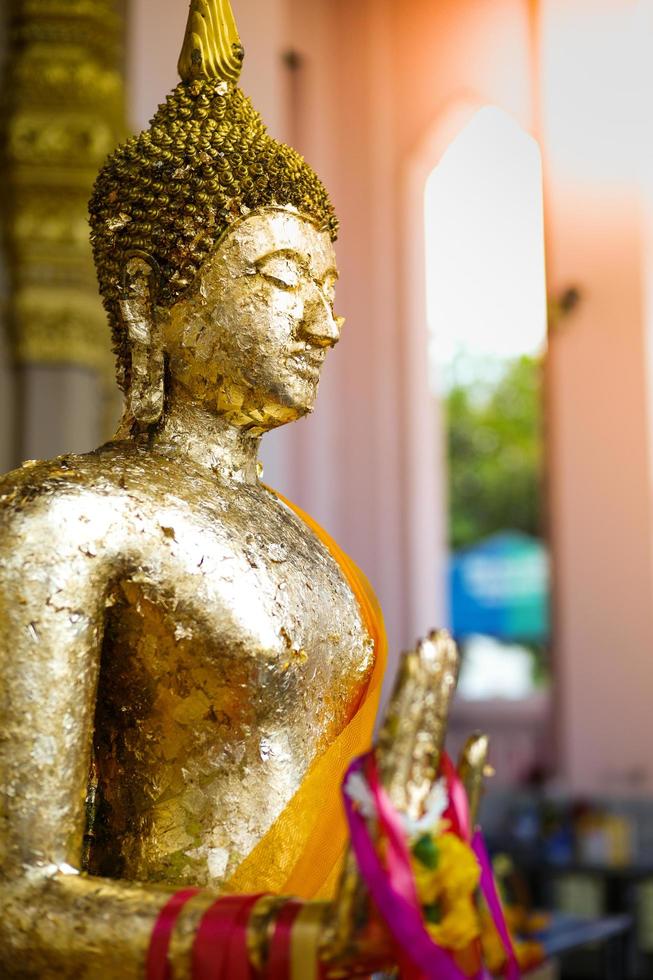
(187, 661)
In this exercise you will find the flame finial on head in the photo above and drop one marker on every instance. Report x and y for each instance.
(212, 48)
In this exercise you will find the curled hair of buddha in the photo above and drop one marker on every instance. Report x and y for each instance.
(205, 161)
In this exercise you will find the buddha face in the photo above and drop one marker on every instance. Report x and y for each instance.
(251, 338)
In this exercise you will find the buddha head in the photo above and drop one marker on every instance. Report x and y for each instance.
(214, 249)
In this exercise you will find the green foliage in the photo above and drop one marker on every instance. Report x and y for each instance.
(495, 455)
(425, 850)
(433, 914)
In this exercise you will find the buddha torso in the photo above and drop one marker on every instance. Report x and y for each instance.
(233, 652)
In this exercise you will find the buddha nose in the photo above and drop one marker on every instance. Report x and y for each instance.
(319, 325)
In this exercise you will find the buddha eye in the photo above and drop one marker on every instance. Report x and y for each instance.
(282, 271)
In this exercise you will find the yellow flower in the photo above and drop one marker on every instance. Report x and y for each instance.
(456, 872)
(459, 926)
(457, 868)
(427, 882)
(446, 876)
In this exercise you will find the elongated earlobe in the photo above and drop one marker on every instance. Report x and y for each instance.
(146, 389)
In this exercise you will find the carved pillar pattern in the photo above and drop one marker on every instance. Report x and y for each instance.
(63, 111)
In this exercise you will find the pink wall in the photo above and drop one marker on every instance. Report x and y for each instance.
(600, 492)
(599, 447)
(453, 50)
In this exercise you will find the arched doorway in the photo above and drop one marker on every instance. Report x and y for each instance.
(485, 309)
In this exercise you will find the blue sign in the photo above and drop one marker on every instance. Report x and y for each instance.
(500, 588)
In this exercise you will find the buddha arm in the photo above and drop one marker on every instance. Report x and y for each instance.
(55, 922)
(55, 583)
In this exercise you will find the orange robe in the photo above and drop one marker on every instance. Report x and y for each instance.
(302, 852)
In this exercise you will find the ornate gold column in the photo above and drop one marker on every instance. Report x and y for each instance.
(63, 114)
(63, 111)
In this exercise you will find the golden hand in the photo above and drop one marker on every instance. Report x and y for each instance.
(408, 753)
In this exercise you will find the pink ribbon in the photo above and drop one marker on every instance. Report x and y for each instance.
(279, 954)
(398, 853)
(157, 966)
(491, 895)
(458, 811)
(220, 948)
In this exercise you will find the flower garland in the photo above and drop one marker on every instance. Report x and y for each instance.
(426, 878)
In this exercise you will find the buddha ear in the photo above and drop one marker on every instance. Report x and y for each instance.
(146, 390)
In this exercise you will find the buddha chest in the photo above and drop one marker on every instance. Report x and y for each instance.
(233, 654)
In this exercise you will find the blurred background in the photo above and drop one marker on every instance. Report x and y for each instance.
(483, 442)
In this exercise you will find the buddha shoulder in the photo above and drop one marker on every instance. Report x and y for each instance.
(126, 513)
(82, 499)
(114, 490)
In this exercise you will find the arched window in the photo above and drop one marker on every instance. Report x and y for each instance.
(486, 297)
(486, 308)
